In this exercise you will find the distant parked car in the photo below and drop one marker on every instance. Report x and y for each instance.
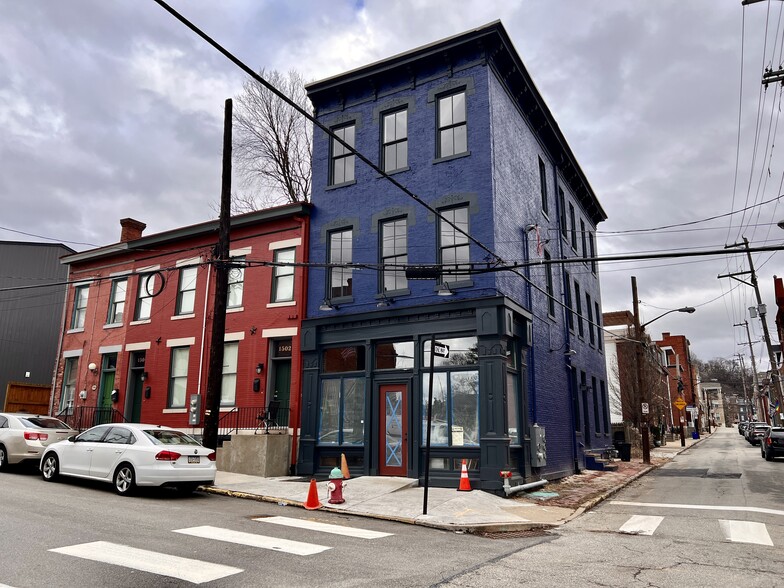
(755, 432)
(23, 436)
(131, 454)
(772, 444)
(742, 427)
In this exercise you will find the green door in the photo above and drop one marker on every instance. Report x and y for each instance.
(104, 409)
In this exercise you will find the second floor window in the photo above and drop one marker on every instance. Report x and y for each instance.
(80, 307)
(395, 146)
(186, 291)
(452, 133)
(144, 293)
(236, 281)
(283, 276)
(453, 245)
(394, 253)
(340, 253)
(342, 159)
(550, 290)
(117, 302)
(178, 376)
(70, 372)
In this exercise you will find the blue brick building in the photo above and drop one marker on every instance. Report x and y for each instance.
(460, 124)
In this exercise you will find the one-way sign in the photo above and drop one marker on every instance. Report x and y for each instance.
(440, 350)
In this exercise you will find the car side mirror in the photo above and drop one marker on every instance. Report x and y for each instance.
(72, 438)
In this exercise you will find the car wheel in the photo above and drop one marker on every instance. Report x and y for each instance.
(186, 489)
(3, 459)
(50, 467)
(124, 480)
(768, 456)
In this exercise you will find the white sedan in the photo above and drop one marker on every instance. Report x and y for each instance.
(131, 454)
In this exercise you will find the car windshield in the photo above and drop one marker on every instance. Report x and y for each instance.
(169, 437)
(43, 422)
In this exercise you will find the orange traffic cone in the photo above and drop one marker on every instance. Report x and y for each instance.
(465, 484)
(312, 503)
(344, 467)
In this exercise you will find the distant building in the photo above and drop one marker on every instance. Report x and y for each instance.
(138, 324)
(460, 123)
(714, 400)
(30, 313)
(682, 378)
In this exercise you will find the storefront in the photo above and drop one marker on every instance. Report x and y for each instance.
(365, 389)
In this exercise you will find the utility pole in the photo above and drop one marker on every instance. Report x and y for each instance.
(743, 380)
(774, 367)
(754, 376)
(643, 396)
(221, 259)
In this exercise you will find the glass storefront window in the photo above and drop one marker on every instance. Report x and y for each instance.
(462, 351)
(344, 359)
(398, 355)
(342, 412)
(455, 416)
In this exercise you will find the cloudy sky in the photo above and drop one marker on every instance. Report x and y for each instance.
(110, 109)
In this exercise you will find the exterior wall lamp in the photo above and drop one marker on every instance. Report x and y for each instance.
(259, 367)
(326, 306)
(92, 367)
(445, 290)
(143, 376)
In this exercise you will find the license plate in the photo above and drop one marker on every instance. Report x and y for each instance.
(193, 459)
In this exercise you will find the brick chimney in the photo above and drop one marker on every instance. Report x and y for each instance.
(131, 229)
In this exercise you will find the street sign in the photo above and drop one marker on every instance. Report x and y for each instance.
(441, 350)
(645, 408)
(680, 404)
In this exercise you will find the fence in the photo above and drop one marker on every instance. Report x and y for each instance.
(250, 418)
(84, 417)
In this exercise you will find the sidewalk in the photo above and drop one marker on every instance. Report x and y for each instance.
(401, 499)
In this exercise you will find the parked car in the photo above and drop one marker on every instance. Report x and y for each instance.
(772, 444)
(132, 454)
(755, 432)
(23, 436)
(742, 427)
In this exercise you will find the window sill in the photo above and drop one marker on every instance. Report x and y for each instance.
(235, 309)
(69, 331)
(175, 410)
(451, 157)
(141, 322)
(394, 294)
(112, 325)
(343, 185)
(179, 317)
(395, 171)
(280, 304)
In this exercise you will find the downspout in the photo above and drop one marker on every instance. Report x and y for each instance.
(302, 310)
(509, 490)
(203, 329)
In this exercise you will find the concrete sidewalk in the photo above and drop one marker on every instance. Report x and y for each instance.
(401, 499)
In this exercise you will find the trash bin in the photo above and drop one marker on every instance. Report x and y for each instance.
(624, 450)
(695, 435)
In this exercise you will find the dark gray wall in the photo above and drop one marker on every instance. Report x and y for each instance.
(30, 319)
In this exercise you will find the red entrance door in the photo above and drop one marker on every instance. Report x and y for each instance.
(393, 431)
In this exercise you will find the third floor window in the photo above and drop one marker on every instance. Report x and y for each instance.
(117, 302)
(236, 282)
(283, 275)
(80, 307)
(342, 160)
(452, 134)
(144, 295)
(395, 145)
(186, 291)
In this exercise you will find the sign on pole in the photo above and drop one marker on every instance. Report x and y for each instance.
(645, 408)
(680, 404)
(440, 349)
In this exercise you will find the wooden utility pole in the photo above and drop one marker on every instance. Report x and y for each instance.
(642, 393)
(221, 261)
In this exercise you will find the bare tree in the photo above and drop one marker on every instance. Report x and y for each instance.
(273, 143)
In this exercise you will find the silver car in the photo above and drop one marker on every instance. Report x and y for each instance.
(23, 437)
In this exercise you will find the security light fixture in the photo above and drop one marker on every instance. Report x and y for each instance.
(445, 290)
(326, 306)
(259, 367)
(384, 302)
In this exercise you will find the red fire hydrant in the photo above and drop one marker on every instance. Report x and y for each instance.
(335, 487)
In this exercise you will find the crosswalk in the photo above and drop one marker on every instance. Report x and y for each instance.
(197, 571)
(733, 531)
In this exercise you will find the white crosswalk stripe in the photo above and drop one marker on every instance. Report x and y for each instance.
(253, 540)
(641, 525)
(745, 532)
(323, 527)
(190, 570)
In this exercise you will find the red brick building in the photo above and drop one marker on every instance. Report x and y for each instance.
(683, 376)
(138, 321)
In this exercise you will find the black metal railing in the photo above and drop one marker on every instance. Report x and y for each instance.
(84, 417)
(247, 418)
